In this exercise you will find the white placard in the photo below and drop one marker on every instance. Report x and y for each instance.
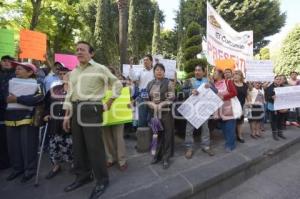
(170, 66)
(223, 42)
(287, 97)
(259, 70)
(21, 87)
(136, 68)
(197, 109)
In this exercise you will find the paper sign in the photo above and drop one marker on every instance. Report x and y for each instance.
(70, 61)
(170, 66)
(119, 112)
(198, 108)
(33, 45)
(259, 70)
(287, 97)
(223, 64)
(7, 45)
(136, 68)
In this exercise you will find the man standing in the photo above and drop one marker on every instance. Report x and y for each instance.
(190, 88)
(143, 78)
(87, 86)
(7, 72)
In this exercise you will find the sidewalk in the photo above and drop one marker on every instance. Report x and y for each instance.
(183, 179)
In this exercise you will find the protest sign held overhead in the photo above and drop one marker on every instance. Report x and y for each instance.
(7, 45)
(259, 70)
(223, 42)
(70, 61)
(33, 45)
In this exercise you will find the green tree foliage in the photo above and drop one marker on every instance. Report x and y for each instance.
(192, 47)
(156, 31)
(168, 45)
(264, 54)
(289, 57)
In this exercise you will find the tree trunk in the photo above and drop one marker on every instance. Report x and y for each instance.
(123, 30)
(36, 8)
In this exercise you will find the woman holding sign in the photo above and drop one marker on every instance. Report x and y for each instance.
(22, 135)
(161, 93)
(226, 91)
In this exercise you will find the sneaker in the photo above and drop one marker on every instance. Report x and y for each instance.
(189, 154)
(208, 151)
(124, 167)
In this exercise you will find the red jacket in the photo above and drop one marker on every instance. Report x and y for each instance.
(231, 90)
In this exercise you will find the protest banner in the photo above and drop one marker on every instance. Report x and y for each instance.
(198, 108)
(120, 112)
(7, 45)
(259, 70)
(223, 42)
(70, 61)
(33, 45)
(287, 97)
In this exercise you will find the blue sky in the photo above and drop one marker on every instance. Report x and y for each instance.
(291, 7)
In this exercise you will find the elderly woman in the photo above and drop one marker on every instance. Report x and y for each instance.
(226, 91)
(161, 93)
(60, 147)
(22, 135)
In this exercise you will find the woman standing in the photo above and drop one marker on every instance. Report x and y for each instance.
(22, 135)
(161, 93)
(226, 91)
(257, 109)
(113, 139)
(242, 94)
(277, 117)
(60, 144)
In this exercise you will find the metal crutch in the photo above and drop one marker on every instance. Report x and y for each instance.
(40, 156)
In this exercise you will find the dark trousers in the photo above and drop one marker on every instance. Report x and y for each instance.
(276, 121)
(88, 147)
(4, 160)
(22, 144)
(165, 139)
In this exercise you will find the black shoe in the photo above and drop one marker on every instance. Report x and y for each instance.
(155, 161)
(281, 136)
(240, 140)
(52, 173)
(275, 136)
(26, 178)
(98, 191)
(77, 184)
(166, 164)
(14, 175)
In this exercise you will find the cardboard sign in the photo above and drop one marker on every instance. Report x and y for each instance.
(7, 45)
(70, 61)
(33, 45)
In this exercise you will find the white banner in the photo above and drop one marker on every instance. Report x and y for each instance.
(287, 97)
(223, 42)
(198, 108)
(259, 70)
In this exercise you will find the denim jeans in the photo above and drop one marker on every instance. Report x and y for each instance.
(228, 128)
(205, 136)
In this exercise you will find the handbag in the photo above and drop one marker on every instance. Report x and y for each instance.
(236, 107)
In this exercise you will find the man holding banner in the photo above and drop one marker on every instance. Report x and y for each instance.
(88, 84)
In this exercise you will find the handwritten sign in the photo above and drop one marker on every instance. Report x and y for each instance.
(70, 61)
(287, 97)
(7, 45)
(259, 70)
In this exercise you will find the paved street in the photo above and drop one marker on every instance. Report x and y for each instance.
(281, 181)
(141, 178)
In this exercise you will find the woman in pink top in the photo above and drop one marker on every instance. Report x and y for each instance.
(226, 91)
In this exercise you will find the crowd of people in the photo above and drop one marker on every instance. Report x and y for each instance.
(69, 103)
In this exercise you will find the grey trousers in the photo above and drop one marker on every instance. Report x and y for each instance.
(113, 138)
(205, 136)
(88, 147)
(22, 142)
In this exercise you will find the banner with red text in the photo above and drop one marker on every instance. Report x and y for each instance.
(223, 42)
